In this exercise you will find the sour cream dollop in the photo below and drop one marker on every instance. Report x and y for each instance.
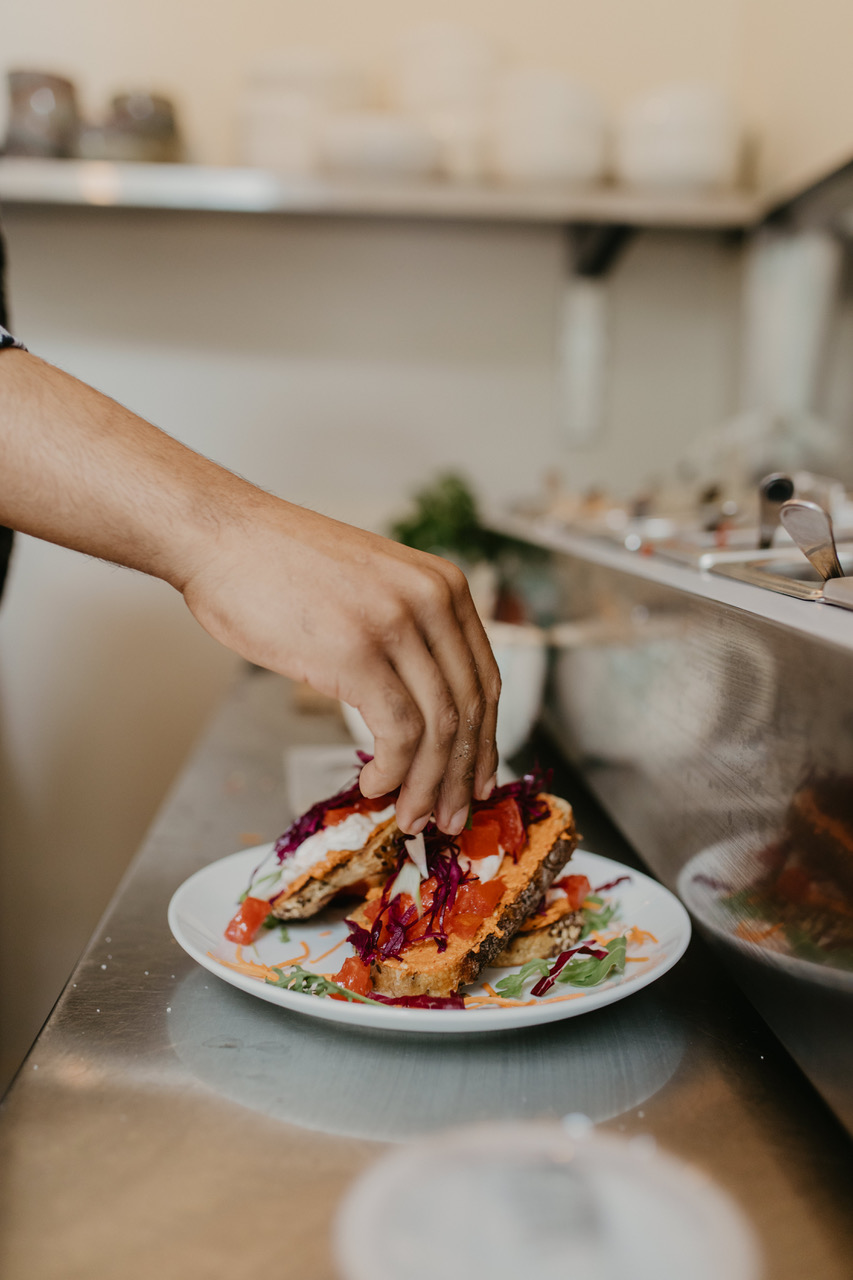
(352, 833)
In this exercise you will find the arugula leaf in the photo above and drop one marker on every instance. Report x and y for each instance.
(271, 922)
(597, 919)
(586, 971)
(295, 978)
(512, 986)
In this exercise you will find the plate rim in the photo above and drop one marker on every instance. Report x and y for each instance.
(433, 1021)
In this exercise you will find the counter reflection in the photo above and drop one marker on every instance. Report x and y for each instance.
(310, 1073)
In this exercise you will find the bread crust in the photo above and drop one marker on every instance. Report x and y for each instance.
(339, 870)
(543, 943)
(423, 970)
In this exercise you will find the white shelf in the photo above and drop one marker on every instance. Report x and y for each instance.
(197, 187)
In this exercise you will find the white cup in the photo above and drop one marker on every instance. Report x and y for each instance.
(522, 657)
(547, 128)
(682, 137)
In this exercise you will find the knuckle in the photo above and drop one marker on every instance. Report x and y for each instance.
(475, 710)
(455, 579)
(492, 687)
(435, 593)
(447, 724)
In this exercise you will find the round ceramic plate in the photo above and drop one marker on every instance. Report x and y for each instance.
(704, 885)
(202, 907)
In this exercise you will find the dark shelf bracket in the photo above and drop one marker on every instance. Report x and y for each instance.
(595, 246)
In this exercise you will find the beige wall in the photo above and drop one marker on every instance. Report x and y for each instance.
(797, 87)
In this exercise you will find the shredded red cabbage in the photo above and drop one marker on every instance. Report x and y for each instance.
(443, 863)
(545, 984)
(611, 884)
(711, 882)
(422, 1002)
(312, 821)
(526, 793)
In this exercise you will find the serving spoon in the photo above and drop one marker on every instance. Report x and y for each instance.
(811, 528)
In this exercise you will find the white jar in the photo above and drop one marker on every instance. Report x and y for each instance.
(682, 137)
(547, 128)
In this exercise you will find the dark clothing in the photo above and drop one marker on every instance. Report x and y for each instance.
(6, 340)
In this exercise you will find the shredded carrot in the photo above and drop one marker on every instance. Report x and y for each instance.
(591, 906)
(262, 971)
(639, 935)
(488, 986)
(317, 959)
(306, 951)
(477, 1002)
(637, 959)
(480, 1002)
(755, 933)
(246, 967)
(324, 934)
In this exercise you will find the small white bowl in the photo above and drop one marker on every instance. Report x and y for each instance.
(377, 144)
(522, 657)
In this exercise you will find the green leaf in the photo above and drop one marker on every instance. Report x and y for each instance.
(512, 986)
(272, 921)
(597, 919)
(586, 971)
(295, 978)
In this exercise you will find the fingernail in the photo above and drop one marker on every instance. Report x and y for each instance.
(416, 827)
(457, 822)
(487, 790)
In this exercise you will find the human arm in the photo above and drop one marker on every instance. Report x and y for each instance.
(387, 629)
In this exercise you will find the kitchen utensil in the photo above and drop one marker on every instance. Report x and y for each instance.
(773, 491)
(811, 528)
(839, 591)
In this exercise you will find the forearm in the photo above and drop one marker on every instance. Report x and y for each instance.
(80, 470)
(389, 630)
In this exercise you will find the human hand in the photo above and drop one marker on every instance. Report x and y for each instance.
(387, 629)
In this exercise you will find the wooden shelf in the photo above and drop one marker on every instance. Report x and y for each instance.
(198, 187)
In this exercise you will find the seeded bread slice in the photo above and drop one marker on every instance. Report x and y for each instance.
(340, 870)
(423, 970)
(559, 929)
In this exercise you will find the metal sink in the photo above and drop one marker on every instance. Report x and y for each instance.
(788, 573)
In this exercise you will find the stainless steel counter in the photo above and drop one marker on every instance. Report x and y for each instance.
(166, 1125)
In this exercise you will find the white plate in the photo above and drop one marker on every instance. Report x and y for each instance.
(202, 907)
(702, 886)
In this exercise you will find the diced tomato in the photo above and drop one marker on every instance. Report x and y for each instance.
(355, 976)
(577, 890)
(513, 835)
(371, 910)
(478, 899)
(793, 883)
(364, 804)
(483, 839)
(465, 925)
(332, 817)
(244, 926)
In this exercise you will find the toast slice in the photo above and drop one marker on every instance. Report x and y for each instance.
(341, 870)
(544, 936)
(423, 970)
